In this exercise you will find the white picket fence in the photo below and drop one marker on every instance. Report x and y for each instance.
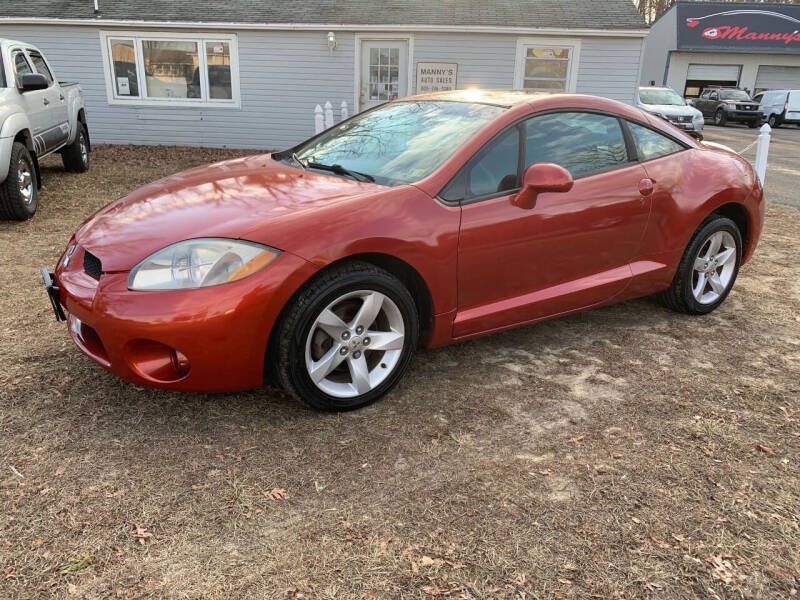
(323, 118)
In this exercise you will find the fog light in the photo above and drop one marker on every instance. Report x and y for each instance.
(155, 361)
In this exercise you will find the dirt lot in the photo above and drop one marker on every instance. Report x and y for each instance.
(624, 452)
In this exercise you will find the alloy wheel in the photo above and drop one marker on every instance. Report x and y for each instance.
(25, 181)
(355, 343)
(84, 148)
(714, 267)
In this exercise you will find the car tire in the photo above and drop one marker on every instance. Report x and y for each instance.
(335, 369)
(720, 118)
(753, 124)
(75, 156)
(773, 122)
(19, 194)
(688, 293)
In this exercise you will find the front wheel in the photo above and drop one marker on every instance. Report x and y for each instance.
(773, 122)
(347, 338)
(19, 194)
(720, 118)
(753, 124)
(708, 268)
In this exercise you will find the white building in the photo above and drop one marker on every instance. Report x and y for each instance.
(249, 74)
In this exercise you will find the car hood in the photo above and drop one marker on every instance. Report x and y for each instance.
(671, 110)
(228, 199)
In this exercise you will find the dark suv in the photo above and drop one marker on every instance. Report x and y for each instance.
(729, 104)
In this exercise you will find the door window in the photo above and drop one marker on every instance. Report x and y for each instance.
(384, 73)
(582, 143)
(21, 65)
(496, 170)
(41, 66)
(650, 144)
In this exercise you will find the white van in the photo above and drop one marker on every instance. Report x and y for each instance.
(780, 106)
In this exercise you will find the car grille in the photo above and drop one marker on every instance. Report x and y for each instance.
(92, 264)
(685, 119)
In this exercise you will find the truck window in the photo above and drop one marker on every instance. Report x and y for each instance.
(41, 66)
(21, 66)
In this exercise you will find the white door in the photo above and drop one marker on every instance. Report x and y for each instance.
(777, 78)
(384, 72)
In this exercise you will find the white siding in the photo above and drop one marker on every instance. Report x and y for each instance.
(284, 74)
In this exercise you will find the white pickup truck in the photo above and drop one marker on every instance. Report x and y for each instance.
(38, 116)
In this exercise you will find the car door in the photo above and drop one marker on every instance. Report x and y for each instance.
(56, 114)
(572, 249)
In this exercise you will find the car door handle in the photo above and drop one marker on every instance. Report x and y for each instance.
(646, 187)
(46, 101)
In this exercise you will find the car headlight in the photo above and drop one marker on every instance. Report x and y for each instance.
(201, 262)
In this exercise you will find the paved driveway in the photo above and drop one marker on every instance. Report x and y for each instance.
(783, 166)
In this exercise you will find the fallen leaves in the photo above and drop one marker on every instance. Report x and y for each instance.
(142, 534)
(765, 449)
(722, 568)
(275, 494)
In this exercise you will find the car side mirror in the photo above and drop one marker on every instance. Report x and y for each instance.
(540, 178)
(689, 102)
(30, 82)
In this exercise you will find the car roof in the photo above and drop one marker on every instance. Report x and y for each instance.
(652, 87)
(505, 98)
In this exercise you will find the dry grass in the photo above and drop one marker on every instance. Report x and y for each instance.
(624, 452)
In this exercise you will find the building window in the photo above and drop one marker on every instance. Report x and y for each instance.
(547, 65)
(171, 69)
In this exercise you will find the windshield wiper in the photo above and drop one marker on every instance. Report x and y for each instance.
(340, 170)
(298, 161)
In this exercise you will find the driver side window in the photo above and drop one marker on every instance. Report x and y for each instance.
(496, 170)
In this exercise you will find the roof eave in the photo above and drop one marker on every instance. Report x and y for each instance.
(589, 32)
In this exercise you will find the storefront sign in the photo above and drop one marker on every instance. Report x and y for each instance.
(739, 27)
(436, 77)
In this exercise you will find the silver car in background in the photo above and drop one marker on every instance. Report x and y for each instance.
(668, 104)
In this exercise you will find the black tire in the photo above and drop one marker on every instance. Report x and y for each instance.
(753, 124)
(720, 118)
(773, 122)
(73, 157)
(295, 324)
(679, 296)
(13, 205)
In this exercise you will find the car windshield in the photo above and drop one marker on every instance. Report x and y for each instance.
(400, 142)
(734, 95)
(668, 97)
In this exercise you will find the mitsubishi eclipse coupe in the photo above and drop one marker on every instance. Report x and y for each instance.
(424, 221)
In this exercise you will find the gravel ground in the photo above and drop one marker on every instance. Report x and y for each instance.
(619, 453)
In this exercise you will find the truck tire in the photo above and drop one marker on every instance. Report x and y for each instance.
(76, 156)
(18, 193)
(720, 118)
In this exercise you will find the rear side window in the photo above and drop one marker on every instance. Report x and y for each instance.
(650, 144)
(41, 66)
(582, 143)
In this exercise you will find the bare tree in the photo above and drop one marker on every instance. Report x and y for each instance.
(652, 9)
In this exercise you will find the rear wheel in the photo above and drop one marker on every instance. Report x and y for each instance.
(19, 194)
(347, 338)
(76, 156)
(720, 118)
(708, 268)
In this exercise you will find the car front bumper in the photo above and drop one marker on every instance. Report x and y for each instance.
(207, 340)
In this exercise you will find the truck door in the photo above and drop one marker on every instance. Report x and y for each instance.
(56, 115)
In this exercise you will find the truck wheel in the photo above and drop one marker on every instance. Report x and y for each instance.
(720, 118)
(76, 155)
(753, 124)
(18, 193)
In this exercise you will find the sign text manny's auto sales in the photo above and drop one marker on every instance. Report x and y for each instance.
(732, 32)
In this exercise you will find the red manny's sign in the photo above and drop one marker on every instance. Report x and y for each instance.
(745, 28)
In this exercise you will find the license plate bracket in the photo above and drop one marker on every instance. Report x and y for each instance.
(53, 293)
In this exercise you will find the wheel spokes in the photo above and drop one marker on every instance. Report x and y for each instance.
(331, 324)
(359, 374)
(321, 368)
(700, 286)
(369, 310)
(725, 256)
(716, 283)
(384, 340)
